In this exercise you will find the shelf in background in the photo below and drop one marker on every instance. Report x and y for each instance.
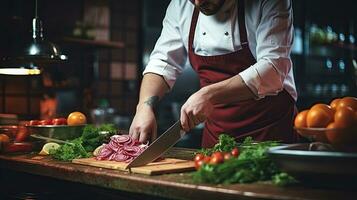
(336, 45)
(94, 43)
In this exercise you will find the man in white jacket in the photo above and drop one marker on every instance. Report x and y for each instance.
(241, 52)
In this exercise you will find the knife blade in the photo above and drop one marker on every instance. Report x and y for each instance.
(168, 139)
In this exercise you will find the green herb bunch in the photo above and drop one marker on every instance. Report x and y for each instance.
(225, 144)
(82, 147)
(70, 151)
(252, 165)
(93, 137)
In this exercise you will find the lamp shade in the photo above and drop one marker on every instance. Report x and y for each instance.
(38, 51)
(15, 69)
(41, 52)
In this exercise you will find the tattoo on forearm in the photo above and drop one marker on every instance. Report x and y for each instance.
(152, 101)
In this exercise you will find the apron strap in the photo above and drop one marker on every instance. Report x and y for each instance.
(192, 29)
(241, 21)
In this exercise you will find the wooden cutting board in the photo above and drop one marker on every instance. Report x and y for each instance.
(167, 165)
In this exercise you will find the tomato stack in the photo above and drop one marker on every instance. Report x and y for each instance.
(339, 119)
(215, 158)
(74, 118)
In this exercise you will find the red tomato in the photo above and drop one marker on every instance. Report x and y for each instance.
(235, 152)
(207, 159)
(216, 158)
(21, 134)
(227, 156)
(198, 164)
(199, 157)
(59, 121)
(34, 122)
(19, 147)
(46, 122)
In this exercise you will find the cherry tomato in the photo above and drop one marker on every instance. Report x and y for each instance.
(207, 159)
(34, 122)
(227, 156)
(216, 158)
(235, 152)
(218, 155)
(59, 121)
(46, 122)
(198, 164)
(198, 157)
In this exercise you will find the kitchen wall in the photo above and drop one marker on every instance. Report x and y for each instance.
(93, 73)
(323, 70)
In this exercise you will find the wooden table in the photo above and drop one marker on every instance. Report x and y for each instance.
(175, 186)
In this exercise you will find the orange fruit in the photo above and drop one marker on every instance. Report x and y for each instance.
(334, 135)
(319, 116)
(76, 118)
(327, 108)
(334, 103)
(4, 138)
(300, 119)
(348, 102)
(345, 117)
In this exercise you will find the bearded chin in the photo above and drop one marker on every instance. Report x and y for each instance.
(213, 9)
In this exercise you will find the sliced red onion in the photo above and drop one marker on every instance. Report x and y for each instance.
(104, 152)
(121, 148)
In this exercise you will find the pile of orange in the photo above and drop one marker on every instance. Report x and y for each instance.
(339, 118)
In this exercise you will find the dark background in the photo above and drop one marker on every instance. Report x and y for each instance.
(88, 74)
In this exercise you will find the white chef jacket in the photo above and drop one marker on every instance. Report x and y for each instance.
(270, 35)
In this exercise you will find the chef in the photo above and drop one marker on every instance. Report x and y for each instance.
(241, 51)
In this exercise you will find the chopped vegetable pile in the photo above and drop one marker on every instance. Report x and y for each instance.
(81, 147)
(251, 165)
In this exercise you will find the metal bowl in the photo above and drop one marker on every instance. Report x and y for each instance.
(317, 166)
(61, 132)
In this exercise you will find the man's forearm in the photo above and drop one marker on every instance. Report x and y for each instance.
(228, 91)
(153, 87)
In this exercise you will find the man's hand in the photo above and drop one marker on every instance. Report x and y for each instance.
(143, 126)
(196, 109)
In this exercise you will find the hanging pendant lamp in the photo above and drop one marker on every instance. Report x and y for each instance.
(38, 51)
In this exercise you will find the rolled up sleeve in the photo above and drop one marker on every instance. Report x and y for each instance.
(274, 38)
(169, 55)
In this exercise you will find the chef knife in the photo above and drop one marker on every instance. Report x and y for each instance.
(168, 139)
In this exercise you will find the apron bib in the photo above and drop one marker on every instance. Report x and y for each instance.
(270, 118)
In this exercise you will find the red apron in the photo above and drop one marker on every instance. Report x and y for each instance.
(270, 118)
